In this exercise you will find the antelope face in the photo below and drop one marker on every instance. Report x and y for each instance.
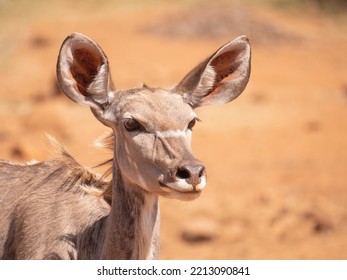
(153, 147)
(153, 127)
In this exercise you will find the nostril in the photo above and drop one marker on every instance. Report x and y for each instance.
(202, 171)
(183, 173)
(191, 172)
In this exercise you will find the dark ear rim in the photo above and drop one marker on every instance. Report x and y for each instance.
(68, 85)
(206, 82)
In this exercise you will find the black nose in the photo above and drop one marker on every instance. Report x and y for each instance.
(192, 173)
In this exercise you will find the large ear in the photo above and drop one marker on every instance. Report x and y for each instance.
(221, 77)
(83, 72)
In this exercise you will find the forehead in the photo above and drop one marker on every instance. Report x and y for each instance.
(155, 107)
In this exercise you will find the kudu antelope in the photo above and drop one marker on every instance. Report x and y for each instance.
(58, 210)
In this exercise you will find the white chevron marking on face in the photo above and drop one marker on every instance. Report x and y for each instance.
(170, 134)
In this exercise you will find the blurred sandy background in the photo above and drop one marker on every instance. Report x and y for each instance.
(276, 157)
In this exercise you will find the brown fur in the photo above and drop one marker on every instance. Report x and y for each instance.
(38, 194)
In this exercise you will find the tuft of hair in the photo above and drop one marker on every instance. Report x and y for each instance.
(88, 182)
(105, 141)
(59, 149)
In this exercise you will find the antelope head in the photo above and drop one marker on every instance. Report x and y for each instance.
(153, 126)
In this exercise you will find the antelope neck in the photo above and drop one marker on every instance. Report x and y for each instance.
(133, 223)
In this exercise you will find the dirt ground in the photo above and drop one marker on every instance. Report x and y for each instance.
(276, 157)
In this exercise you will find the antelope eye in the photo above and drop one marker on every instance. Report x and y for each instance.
(191, 124)
(132, 125)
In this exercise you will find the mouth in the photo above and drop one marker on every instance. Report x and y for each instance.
(182, 190)
(179, 195)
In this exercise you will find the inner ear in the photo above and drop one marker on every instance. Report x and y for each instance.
(221, 77)
(83, 71)
(85, 66)
(223, 68)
